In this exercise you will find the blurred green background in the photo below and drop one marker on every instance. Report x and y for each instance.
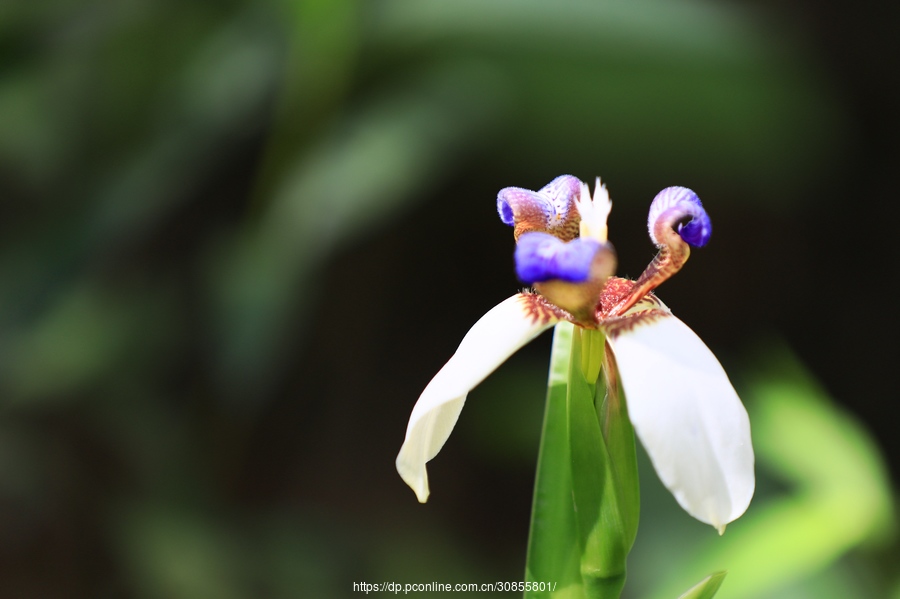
(238, 238)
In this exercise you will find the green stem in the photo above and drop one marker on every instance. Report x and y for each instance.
(553, 555)
(584, 515)
(599, 528)
(593, 344)
(620, 443)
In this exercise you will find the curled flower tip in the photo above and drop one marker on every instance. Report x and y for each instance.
(571, 275)
(551, 209)
(594, 211)
(676, 222)
(678, 209)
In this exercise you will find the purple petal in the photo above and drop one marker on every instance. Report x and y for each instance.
(561, 191)
(552, 201)
(503, 207)
(512, 201)
(542, 257)
(672, 207)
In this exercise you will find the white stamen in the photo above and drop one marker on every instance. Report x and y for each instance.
(594, 211)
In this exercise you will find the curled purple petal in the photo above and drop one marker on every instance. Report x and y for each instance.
(697, 231)
(561, 192)
(679, 208)
(542, 257)
(524, 203)
(505, 210)
(550, 209)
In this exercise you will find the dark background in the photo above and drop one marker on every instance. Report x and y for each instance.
(238, 238)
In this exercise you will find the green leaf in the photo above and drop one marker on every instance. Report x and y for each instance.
(619, 436)
(552, 552)
(602, 532)
(706, 588)
(585, 510)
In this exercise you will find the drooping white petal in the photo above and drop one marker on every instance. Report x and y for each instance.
(494, 338)
(688, 417)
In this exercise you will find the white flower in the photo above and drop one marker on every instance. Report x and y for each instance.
(683, 407)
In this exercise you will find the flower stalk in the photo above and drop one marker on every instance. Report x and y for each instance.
(596, 494)
(593, 347)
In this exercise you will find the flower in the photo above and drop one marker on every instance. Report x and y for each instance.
(682, 405)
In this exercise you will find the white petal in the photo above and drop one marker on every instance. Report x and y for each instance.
(494, 338)
(688, 417)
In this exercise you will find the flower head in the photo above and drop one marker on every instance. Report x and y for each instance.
(680, 401)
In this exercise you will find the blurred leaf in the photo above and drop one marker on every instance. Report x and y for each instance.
(346, 186)
(29, 146)
(299, 552)
(706, 588)
(84, 336)
(680, 89)
(323, 47)
(214, 100)
(174, 554)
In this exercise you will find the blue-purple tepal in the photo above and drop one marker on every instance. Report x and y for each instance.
(542, 257)
(551, 209)
(679, 208)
